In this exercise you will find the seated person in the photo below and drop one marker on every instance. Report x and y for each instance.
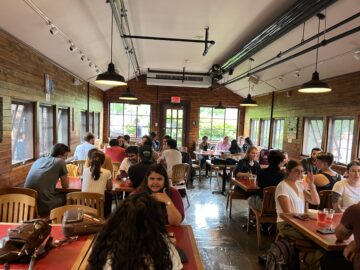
(326, 177)
(204, 146)
(157, 184)
(271, 176)
(137, 171)
(132, 153)
(290, 197)
(107, 163)
(82, 150)
(248, 165)
(347, 191)
(248, 143)
(43, 176)
(138, 223)
(163, 142)
(171, 156)
(234, 148)
(241, 141)
(309, 163)
(156, 143)
(122, 142)
(224, 145)
(116, 153)
(96, 179)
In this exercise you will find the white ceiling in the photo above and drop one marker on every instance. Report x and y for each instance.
(232, 23)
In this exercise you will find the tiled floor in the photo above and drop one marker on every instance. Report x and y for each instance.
(222, 243)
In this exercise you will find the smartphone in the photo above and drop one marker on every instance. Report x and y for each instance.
(326, 231)
(301, 216)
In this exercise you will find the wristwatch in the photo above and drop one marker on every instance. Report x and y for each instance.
(168, 203)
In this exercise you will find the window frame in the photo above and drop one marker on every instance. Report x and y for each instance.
(304, 136)
(274, 134)
(261, 135)
(67, 109)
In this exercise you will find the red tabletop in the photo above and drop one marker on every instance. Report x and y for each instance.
(185, 239)
(246, 185)
(68, 256)
(309, 227)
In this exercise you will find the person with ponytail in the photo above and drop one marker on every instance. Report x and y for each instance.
(95, 178)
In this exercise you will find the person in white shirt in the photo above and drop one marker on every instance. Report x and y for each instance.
(82, 150)
(171, 155)
(347, 191)
(96, 179)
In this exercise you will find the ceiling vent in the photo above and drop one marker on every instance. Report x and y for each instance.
(179, 80)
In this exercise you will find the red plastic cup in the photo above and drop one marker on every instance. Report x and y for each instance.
(321, 218)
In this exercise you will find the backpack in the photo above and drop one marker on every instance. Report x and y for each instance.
(282, 255)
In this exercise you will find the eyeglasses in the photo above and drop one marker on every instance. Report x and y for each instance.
(299, 171)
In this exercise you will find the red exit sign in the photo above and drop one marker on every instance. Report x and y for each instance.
(175, 99)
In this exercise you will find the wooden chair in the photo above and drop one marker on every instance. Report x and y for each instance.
(116, 167)
(267, 214)
(80, 164)
(180, 177)
(93, 200)
(17, 207)
(56, 214)
(325, 199)
(20, 190)
(196, 166)
(233, 194)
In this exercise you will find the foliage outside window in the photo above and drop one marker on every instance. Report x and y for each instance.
(218, 123)
(22, 140)
(278, 134)
(313, 132)
(97, 125)
(46, 130)
(264, 133)
(63, 126)
(131, 119)
(82, 125)
(254, 131)
(341, 132)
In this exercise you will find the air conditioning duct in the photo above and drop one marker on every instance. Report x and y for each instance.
(178, 79)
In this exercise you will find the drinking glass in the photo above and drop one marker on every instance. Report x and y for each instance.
(321, 218)
(329, 217)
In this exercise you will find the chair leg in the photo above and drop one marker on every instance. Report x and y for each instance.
(248, 221)
(230, 199)
(187, 198)
(227, 200)
(258, 232)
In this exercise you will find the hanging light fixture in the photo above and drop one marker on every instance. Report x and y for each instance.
(248, 101)
(127, 95)
(220, 106)
(110, 77)
(315, 85)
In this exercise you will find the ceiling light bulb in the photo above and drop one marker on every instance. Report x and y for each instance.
(83, 57)
(90, 64)
(72, 47)
(53, 30)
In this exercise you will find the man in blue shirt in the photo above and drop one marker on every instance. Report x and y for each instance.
(82, 150)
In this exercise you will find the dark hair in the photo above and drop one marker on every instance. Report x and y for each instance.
(167, 137)
(157, 168)
(234, 147)
(88, 137)
(352, 163)
(316, 149)
(171, 143)
(148, 140)
(127, 138)
(114, 142)
(275, 157)
(152, 134)
(249, 150)
(96, 160)
(132, 149)
(137, 223)
(292, 164)
(248, 141)
(59, 149)
(205, 137)
(145, 152)
(326, 157)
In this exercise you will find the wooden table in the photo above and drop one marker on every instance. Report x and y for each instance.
(69, 256)
(309, 227)
(185, 240)
(224, 168)
(246, 185)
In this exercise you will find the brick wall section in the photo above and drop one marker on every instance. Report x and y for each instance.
(154, 95)
(342, 101)
(22, 77)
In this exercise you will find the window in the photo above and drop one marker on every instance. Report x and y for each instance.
(218, 123)
(341, 132)
(91, 122)
(313, 131)
(131, 119)
(63, 126)
(97, 125)
(82, 125)
(278, 135)
(46, 130)
(22, 140)
(254, 131)
(264, 133)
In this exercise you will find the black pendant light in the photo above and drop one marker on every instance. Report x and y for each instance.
(127, 95)
(315, 85)
(110, 77)
(220, 106)
(248, 101)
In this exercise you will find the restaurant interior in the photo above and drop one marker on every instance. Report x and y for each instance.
(283, 73)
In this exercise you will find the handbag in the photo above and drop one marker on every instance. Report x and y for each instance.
(23, 242)
(77, 222)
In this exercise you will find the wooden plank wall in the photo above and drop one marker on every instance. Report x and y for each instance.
(22, 73)
(157, 95)
(342, 101)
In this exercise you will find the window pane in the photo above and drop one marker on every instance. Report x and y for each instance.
(46, 130)
(63, 126)
(340, 139)
(22, 142)
(264, 133)
(254, 131)
(313, 131)
(278, 135)
(97, 125)
(91, 122)
(82, 125)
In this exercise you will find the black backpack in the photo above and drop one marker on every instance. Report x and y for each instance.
(282, 255)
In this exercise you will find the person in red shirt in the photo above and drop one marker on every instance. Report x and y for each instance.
(116, 152)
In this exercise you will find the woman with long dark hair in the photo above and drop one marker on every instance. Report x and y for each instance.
(234, 147)
(156, 183)
(135, 238)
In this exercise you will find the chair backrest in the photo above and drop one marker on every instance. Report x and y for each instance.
(180, 173)
(19, 190)
(325, 199)
(93, 200)
(116, 167)
(56, 214)
(80, 164)
(17, 207)
(268, 206)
